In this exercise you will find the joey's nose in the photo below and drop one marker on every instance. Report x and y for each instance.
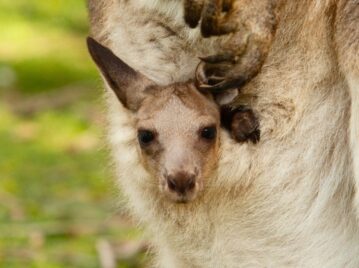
(181, 183)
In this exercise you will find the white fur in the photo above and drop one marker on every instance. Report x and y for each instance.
(285, 202)
(354, 130)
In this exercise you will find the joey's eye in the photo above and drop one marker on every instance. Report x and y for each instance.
(145, 137)
(209, 133)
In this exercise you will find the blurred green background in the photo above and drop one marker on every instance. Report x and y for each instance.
(58, 202)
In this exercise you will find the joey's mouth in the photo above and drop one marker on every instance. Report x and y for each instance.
(181, 199)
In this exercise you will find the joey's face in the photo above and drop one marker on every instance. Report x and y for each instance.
(177, 131)
(177, 125)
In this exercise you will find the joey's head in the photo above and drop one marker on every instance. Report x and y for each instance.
(177, 126)
(177, 131)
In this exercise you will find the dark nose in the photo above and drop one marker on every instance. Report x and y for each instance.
(181, 182)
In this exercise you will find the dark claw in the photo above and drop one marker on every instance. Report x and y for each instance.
(255, 136)
(193, 11)
(211, 74)
(212, 80)
(213, 23)
(220, 69)
(214, 76)
(213, 27)
(224, 85)
(227, 27)
(210, 12)
(210, 17)
(227, 5)
(228, 57)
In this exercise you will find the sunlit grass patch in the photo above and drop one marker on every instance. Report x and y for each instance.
(69, 14)
(39, 26)
(43, 44)
(46, 151)
(57, 197)
(56, 193)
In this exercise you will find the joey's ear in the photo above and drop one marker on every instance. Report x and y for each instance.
(128, 85)
(226, 97)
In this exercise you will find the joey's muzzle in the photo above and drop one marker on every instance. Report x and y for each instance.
(181, 186)
(181, 183)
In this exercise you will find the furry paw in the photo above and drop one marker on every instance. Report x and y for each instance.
(242, 124)
(251, 25)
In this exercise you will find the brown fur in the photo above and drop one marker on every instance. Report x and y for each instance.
(288, 201)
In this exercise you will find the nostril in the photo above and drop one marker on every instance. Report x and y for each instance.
(191, 183)
(171, 184)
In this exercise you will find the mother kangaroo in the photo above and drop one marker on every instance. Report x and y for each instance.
(292, 199)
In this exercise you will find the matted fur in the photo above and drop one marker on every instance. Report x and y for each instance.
(285, 202)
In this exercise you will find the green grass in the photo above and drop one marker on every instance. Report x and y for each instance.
(57, 198)
(45, 151)
(43, 43)
(41, 73)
